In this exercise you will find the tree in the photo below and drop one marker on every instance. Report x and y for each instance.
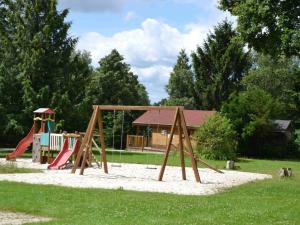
(279, 77)
(216, 139)
(181, 83)
(114, 83)
(251, 113)
(270, 27)
(219, 66)
(38, 67)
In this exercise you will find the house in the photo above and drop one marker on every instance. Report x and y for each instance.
(153, 128)
(284, 128)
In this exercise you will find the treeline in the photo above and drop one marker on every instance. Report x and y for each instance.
(250, 75)
(39, 67)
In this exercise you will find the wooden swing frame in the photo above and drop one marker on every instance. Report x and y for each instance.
(178, 122)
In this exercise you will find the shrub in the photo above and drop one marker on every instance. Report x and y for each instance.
(216, 139)
(297, 140)
(250, 113)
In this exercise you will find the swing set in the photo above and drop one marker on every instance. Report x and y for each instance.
(179, 123)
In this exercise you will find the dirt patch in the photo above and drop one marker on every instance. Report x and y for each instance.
(11, 218)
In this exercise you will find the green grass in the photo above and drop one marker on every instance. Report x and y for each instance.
(4, 152)
(12, 168)
(275, 201)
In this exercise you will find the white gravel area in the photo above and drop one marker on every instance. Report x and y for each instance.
(12, 218)
(135, 177)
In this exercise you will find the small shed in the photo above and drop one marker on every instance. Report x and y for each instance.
(282, 133)
(160, 123)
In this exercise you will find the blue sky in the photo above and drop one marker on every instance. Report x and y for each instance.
(148, 33)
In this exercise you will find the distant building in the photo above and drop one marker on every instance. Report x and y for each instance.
(282, 133)
(160, 123)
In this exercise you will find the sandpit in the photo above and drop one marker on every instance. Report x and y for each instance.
(135, 177)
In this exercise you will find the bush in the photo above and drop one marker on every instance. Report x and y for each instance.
(250, 113)
(297, 140)
(216, 139)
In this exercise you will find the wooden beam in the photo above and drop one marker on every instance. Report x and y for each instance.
(182, 163)
(102, 141)
(136, 108)
(163, 167)
(189, 145)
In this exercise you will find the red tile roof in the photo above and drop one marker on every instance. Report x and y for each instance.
(193, 118)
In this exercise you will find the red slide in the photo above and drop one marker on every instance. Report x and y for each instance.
(63, 156)
(22, 146)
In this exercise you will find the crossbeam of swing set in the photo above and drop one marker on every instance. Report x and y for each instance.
(179, 122)
(135, 107)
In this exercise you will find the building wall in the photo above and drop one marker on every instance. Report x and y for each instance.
(161, 135)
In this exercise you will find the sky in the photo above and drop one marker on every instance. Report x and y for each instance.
(148, 33)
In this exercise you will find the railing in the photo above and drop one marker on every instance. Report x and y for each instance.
(56, 141)
(135, 141)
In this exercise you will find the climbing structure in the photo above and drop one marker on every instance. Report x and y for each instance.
(41, 116)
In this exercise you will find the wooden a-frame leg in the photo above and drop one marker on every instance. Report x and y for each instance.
(162, 170)
(102, 141)
(86, 139)
(182, 163)
(84, 158)
(189, 145)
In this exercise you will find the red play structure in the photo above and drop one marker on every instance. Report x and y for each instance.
(42, 115)
(64, 155)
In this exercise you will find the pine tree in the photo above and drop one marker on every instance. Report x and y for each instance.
(219, 66)
(38, 64)
(114, 84)
(181, 83)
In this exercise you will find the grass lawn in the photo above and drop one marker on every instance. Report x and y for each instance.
(275, 201)
(11, 168)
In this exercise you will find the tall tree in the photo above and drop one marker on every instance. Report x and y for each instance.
(219, 66)
(37, 62)
(181, 83)
(113, 83)
(271, 27)
(279, 77)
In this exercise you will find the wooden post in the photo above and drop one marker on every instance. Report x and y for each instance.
(189, 145)
(162, 170)
(102, 141)
(83, 163)
(181, 150)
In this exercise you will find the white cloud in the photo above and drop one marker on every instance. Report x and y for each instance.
(130, 16)
(151, 50)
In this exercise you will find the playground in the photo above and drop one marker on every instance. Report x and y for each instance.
(78, 169)
(59, 155)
